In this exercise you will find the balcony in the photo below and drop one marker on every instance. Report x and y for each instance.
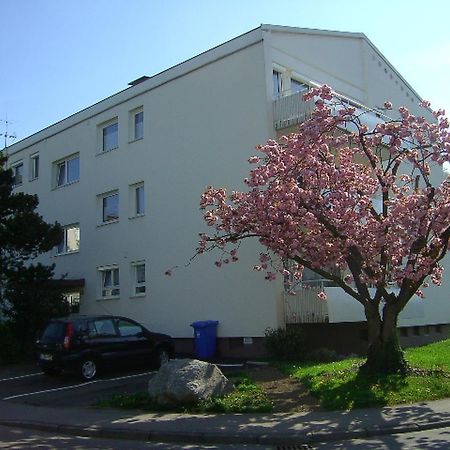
(305, 306)
(291, 110)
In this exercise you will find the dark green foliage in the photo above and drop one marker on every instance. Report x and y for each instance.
(32, 300)
(285, 343)
(10, 348)
(26, 297)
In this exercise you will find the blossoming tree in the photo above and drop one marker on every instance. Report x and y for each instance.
(353, 203)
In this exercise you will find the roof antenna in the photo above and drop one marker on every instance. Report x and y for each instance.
(6, 134)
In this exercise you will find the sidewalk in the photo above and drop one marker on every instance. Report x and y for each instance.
(268, 429)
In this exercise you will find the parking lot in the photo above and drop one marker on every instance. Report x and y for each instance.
(27, 384)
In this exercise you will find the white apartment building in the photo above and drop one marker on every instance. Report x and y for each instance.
(124, 177)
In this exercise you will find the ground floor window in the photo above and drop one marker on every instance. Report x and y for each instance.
(110, 283)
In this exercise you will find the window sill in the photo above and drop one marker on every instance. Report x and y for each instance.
(104, 224)
(138, 216)
(136, 140)
(102, 299)
(103, 152)
(74, 252)
(66, 184)
(138, 296)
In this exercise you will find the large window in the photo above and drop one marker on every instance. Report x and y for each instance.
(70, 241)
(110, 283)
(17, 169)
(110, 136)
(110, 207)
(34, 166)
(139, 280)
(67, 170)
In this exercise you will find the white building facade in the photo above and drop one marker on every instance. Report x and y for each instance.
(124, 179)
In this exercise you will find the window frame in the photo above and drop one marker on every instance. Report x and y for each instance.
(34, 166)
(14, 167)
(112, 290)
(139, 288)
(64, 162)
(102, 198)
(65, 250)
(137, 202)
(138, 132)
(103, 148)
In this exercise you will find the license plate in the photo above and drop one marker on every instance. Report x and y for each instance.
(46, 357)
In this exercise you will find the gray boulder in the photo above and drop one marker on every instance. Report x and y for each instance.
(186, 381)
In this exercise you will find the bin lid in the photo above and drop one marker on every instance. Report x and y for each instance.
(204, 323)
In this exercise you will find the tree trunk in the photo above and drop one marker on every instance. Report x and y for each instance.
(384, 354)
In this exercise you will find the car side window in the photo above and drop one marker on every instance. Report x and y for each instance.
(104, 327)
(127, 328)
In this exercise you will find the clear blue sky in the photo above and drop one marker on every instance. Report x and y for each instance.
(59, 56)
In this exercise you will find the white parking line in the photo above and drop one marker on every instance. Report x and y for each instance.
(22, 376)
(73, 386)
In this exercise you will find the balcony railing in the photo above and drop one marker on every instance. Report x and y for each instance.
(305, 306)
(291, 110)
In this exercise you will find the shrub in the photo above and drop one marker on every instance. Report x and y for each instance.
(285, 343)
(11, 350)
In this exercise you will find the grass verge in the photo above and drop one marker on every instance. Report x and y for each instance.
(340, 386)
(247, 397)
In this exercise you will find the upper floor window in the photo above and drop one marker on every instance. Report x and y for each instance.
(139, 285)
(277, 83)
(70, 241)
(67, 170)
(137, 200)
(109, 279)
(139, 125)
(17, 169)
(110, 136)
(110, 207)
(298, 86)
(34, 166)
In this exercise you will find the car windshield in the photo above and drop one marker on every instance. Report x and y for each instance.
(54, 332)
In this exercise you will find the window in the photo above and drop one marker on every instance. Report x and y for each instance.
(110, 207)
(17, 169)
(34, 166)
(298, 86)
(277, 84)
(128, 328)
(67, 170)
(73, 299)
(138, 269)
(110, 137)
(71, 240)
(139, 125)
(102, 328)
(109, 278)
(140, 205)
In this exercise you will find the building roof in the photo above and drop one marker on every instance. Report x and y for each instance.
(144, 84)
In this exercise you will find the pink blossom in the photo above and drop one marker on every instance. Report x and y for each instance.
(322, 296)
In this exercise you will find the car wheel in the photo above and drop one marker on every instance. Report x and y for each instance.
(162, 357)
(88, 369)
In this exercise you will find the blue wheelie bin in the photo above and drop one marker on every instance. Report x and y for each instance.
(205, 335)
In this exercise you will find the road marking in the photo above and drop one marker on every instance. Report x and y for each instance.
(22, 376)
(74, 386)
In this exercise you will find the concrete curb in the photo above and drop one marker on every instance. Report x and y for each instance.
(196, 437)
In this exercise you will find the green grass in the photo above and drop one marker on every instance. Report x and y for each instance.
(339, 385)
(247, 397)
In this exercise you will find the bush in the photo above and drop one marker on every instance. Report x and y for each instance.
(11, 350)
(285, 343)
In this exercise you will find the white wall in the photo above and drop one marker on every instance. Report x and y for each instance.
(200, 129)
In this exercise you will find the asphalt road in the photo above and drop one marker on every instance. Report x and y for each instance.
(21, 439)
(30, 386)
